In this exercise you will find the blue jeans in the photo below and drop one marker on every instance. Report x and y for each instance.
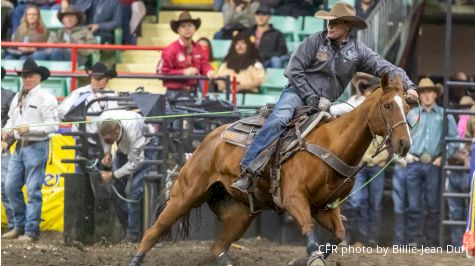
(274, 125)
(457, 182)
(56, 54)
(364, 207)
(276, 61)
(27, 167)
(400, 204)
(423, 186)
(134, 191)
(6, 203)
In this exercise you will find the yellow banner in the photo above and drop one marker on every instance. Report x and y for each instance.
(52, 213)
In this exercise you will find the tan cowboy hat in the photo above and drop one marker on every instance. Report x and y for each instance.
(428, 84)
(70, 10)
(370, 81)
(184, 17)
(343, 11)
(466, 101)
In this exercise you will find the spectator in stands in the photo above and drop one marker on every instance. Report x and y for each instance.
(361, 82)
(32, 105)
(133, 12)
(7, 8)
(206, 45)
(128, 165)
(72, 32)
(364, 7)
(7, 97)
(363, 208)
(99, 77)
(20, 9)
(457, 92)
(184, 57)
(423, 173)
(31, 29)
(296, 8)
(238, 15)
(243, 61)
(102, 17)
(269, 41)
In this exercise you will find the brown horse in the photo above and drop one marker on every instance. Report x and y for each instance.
(306, 180)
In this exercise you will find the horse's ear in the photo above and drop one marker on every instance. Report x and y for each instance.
(385, 81)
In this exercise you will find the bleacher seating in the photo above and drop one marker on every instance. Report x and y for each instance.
(58, 86)
(310, 26)
(11, 83)
(137, 68)
(274, 81)
(141, 57)
(130, 85)
(50, 19)
(289, 26)
(220, 48)
(331, 3)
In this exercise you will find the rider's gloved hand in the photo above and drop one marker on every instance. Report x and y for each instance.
(324, 104)
(312, 100)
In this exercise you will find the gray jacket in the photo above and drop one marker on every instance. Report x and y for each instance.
(320, 67)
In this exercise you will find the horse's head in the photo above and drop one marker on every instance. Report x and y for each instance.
(392, 110)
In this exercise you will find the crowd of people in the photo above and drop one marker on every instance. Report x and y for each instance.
(256, 45)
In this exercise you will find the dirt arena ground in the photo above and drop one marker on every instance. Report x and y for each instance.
(256, 251)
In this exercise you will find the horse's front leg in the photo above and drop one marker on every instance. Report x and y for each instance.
(332, 221)
(298, 207)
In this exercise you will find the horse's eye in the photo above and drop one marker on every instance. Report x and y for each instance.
(387, 106)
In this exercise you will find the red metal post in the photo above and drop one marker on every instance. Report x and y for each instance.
(205, 87)
(73, 67)
(234, 90)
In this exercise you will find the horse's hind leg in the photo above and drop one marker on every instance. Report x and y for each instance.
(235, 217)
(182, 199)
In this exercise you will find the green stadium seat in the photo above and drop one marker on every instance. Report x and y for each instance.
(251, 99)
(274, 81)
(220, 48)
(292, 46)
(11, 83)
(50, 19)
(57, 86)
(310, 26)
(331, 3)
(287, 25)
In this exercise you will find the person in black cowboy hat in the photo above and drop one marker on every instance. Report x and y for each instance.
(7, 97)
(72, 32)
(32, 105)
(184, 57)
(75, 104)
(99, 76)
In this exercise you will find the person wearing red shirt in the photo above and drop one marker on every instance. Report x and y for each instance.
(184, 57)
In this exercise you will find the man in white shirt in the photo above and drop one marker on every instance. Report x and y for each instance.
(127, 129)
(99, 76)
(33, 118)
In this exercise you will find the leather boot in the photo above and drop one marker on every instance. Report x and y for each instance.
(13, 234)
(244, 181)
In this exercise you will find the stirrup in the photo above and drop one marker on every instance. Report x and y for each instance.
(244, 182)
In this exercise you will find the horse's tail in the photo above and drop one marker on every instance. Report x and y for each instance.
(183, 228)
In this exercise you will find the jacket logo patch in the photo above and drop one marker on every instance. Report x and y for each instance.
(322, 54)
(351, 55)
(181, 57)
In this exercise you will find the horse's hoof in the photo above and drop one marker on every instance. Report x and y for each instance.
(224, 260)
(137, 260)
(316, 259)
